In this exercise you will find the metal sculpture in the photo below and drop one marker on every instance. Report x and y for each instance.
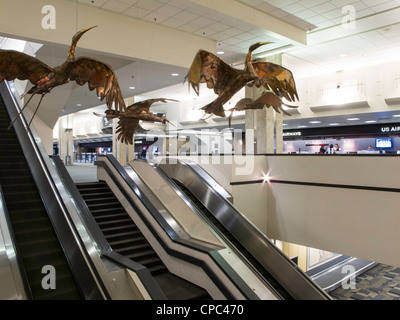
(98, 75)
(129, 119)
(227, 81)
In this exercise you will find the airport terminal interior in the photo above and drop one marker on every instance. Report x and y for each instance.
(199, 150)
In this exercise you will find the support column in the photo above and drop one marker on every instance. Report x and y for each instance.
(279, 132)
(262, 122)
(66, 140)
(267, 125)
(124, 153)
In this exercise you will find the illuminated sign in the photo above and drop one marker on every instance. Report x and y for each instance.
(292, 134)
(391, 129)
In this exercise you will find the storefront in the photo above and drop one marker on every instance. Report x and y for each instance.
(383, 138)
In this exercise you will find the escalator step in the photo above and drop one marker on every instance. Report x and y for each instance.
(96, 195)
(107, 217)
(115, 221)
(102, 199)
(150, 261)
(141, 249)
(104, 205)
(154, 270)
(117, 229)
(138, 254)
(100, 212)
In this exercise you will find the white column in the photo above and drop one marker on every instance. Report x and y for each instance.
(262, 122)
(66, 141)
(267, 125)
(279, 132)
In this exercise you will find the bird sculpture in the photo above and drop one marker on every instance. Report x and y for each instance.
(227, 81)
(129, 119)
(98, 75)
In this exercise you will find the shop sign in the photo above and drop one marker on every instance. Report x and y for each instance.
(292, 134)
(390, 129)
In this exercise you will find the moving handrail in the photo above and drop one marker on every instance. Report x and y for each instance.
(47, 181)
(18, 275)
(293, 279)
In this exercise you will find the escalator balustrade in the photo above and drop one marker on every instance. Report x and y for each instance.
(214, 221)
(37, 243)
(125, 238)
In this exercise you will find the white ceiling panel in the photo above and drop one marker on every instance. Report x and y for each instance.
(376, 35)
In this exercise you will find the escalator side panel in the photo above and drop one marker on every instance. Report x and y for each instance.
(37, 243)
(294, 281)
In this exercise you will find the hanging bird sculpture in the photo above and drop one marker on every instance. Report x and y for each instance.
(129, 120)
(98, 75)
(227, 81)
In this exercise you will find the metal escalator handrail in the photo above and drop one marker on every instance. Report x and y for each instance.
(195, 209)
(142, 272)
(153, 210)
(46, 181)
(84, 211)
(264, 251)
(148, 281)
(19, 274)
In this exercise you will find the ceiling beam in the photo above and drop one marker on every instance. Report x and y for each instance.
(116, 34)
(359, 26)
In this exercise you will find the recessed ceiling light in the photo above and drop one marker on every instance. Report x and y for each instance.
(371, 121)
(220, 52)
(334, 124)
(353, 119)
(132, 88)
(79, 105)
(175, 74)
(302, 127)
(396, 116)
(315, 122)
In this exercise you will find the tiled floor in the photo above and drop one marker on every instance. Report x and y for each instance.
(82, 172)
(379, 283)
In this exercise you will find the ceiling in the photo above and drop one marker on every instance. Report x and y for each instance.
(332, 42)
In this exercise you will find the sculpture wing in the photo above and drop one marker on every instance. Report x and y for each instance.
(278, 79)
(268, 99)
(146, 104)
(126, 129)
(101, 77)
(218, 75)
(18, 65)
(208, 68)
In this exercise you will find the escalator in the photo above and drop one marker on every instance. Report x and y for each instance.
(125, 238)
(36, 241)
(211, 201)
(231, 239)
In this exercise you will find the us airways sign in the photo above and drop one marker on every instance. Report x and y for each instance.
(393, 129)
